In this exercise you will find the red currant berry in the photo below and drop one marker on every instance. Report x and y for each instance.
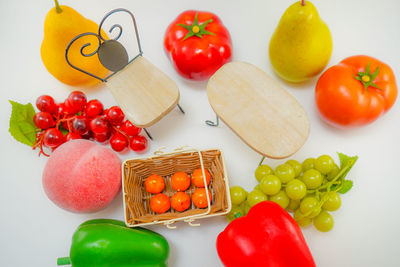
(43, 120)
(99, 125)
(88, 135)
(118, 142)
(101, 137)
(64, 109)
(130, 129)
(46, 103)
(76, 101)
(71, 135)
(114, 115)
(138, 143)
(93, 108)
(80, 125)
(53, 138)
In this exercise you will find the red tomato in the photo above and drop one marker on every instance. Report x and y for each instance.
(198, 44)
(356, 91)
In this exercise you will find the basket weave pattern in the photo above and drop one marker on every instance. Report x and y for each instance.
(137, 199)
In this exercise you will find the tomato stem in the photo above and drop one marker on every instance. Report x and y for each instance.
(196, 29)
(367, 78)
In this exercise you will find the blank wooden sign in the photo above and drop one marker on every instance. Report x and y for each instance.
(263, 114)
(144, 93)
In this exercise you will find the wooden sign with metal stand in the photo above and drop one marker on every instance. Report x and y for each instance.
(144, 93)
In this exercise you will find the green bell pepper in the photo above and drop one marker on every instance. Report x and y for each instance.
(109, 243)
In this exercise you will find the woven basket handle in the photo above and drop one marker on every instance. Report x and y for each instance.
(190, 222)
(169, 226)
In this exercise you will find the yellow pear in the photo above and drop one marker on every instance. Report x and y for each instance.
(62, 24)
(301, 45)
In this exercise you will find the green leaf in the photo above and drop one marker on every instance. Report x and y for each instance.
(375, 74)
(187, 27)
(346, 186)
(346, 160)
(367, 69)
(22, 127)
(195, 21)
(63, 131)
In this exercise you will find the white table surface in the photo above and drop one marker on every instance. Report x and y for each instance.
(34, 232)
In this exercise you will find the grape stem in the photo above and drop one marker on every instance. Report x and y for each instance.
(342, 173)
(329, 184)
(303, 2)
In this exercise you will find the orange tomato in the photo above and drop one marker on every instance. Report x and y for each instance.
(154, 184)
(356, 91)
(180, 181)
(199, 198)
(180, 201)
(197, 177)
(160, 203)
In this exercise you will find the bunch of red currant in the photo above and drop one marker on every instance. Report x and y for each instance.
(80, 118)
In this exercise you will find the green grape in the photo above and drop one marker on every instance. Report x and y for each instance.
(296, 166)
(293, 205)
(270, 185)
(324, 164)
(257, 187)
(280, 198)
(256, 196)
(323, 222)
(296, 189)
(236, 212)
(332, 202)
(312, 178)
(310, 204)
(301, 219)
(246, 207)
(314, 213)
(332, 174)
(263, 171)
(308, 164)
(238, 195)
(285, 173)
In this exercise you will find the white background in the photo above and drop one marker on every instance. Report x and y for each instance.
(34, 232)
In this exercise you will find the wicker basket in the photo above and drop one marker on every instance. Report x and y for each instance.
(137, 199)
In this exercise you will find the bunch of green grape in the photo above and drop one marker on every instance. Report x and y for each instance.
(310, 189)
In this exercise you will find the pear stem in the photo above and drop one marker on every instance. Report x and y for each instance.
(58, 8)
(303, 2)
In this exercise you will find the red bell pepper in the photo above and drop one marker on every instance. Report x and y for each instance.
(267, 236)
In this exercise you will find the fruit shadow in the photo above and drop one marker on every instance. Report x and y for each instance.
(196, 85)
(305, 85)
(90, 88)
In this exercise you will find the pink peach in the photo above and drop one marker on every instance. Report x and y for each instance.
(82, 176)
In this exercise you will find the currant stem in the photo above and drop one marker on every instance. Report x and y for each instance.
(121, 132)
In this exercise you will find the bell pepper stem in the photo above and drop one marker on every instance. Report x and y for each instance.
(64, 261)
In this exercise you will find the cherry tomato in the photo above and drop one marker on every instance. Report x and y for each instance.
(356, 91)
(198, 44)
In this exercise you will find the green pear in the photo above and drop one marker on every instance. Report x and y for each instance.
(301, 45)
